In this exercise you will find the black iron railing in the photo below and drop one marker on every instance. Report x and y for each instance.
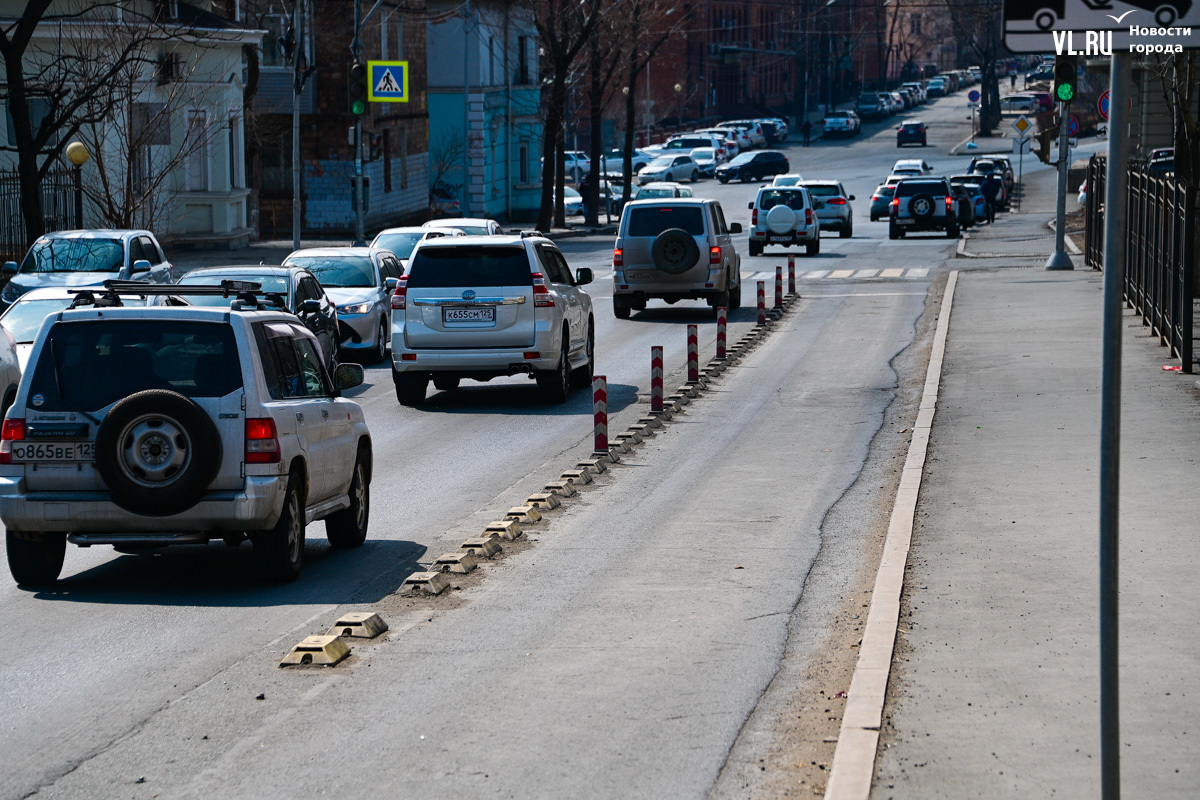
(58, 209)
(1160, 245)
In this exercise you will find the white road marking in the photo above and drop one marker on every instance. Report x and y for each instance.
(841, 273)
(918, 272)
(815, 273)
(866, 273)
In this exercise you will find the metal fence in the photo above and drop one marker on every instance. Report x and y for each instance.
(58, 209)
(1160, 237)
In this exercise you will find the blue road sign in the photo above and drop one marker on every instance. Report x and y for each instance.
(973, 96)
(387, 81)
(1103, 103)
(1072, 127)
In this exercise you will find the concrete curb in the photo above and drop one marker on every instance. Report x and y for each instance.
(575, 233)
(854, 758)
(1052, 224)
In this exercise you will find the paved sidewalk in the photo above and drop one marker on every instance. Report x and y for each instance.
(994, 691)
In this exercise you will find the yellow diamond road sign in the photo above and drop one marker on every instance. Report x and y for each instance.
(1022, 125)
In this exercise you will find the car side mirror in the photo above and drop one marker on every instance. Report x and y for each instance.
(10, 268)
(851, 197)
(584, 276)
(391, 283)
(750, 204)
(735, 227)
(141, 265)
(347, 376)
(311, 306)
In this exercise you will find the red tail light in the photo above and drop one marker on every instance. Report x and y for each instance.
(754, 217)
(400, 296)
(13, 431)
(541, 295)
(875, 197)
(618, 257)
(895, 203)
(714, 255)
(808, 216)
(949, 203)
(836, 201)
(262, 441)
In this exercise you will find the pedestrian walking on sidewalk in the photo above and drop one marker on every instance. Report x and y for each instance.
(991, 191)
(806, 129)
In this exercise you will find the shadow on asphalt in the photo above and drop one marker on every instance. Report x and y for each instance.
(515, 399)
(220, 576)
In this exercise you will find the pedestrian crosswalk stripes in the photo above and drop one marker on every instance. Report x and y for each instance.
(842, 274)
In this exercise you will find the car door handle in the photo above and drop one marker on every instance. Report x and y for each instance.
(299, 416)
(325, 413)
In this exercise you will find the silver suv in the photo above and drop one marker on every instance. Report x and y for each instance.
(485, 307)
(923, 204)
(140, 427)
(784, 215)
(675, 249)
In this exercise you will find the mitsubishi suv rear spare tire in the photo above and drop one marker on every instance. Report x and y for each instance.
(157, 451)
(674, 251)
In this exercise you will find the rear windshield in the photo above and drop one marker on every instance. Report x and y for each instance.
(654, 220)
(914, 188)
(88, 365)
(770, 198)
(822, 190)
(681, 144)
(75, 255)
(468, 266)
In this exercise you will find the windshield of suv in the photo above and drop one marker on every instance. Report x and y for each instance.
(269, 283)
(401, 244)
(653, 220)
(90, 364)
(75, 255)
(23, 319)
(465, 266)
(822, 190)
(339, 272)
(741, 158)
(769, 198)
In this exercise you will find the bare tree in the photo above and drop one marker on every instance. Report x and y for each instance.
(51, 95)
(446, 154)
(563, 27)
(978, 30)
(1179, 76)
(604, 59)
(648, 24)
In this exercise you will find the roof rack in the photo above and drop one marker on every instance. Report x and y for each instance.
(248, 295)
(527, 234)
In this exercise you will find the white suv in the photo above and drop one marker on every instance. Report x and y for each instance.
(140, 427)
(784, 215)
(485, 307)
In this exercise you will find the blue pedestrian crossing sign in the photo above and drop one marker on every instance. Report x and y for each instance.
(387, 81)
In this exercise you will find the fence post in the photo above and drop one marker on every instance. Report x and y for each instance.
(693, 354)
(779, 287)
(600, 415)
(762, 302)
(722, 318)
(792, 275)
(656, 379)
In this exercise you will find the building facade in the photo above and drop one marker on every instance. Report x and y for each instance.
(484, 80)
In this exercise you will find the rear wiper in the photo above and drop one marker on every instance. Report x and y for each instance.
(58, 383)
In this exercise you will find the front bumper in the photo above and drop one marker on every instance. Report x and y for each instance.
(256, 507)
(358, 331)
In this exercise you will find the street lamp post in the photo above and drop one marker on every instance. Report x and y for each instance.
(78, 155)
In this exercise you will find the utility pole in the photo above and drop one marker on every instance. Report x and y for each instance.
(360, 227)
(296, 51)
(1059, 260)
(466, 198)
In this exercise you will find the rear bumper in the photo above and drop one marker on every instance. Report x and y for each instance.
(256, 507)
(490, 361)
(711, 283)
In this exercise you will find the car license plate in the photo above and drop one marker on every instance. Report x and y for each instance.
(641, 275)
(904, 221)
(53, 451)
(784, 238)
(482, 314)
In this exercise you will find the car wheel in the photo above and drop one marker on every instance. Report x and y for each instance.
(35, 559)
(814, 247)
(735, 296)
(674, 251)
(445, 383)
(555, 383)
(847, 229)
(724, 180)
(893, 232)
(744, 176)
(410, 389)
(621, 308)
(279, 552)
(921, 206)
(348, 527)
(379, 353)
(695, 176)
(952, 232)
(755, 248)
(874, 218)
(157, 451)
(720, 300)
(581, 377)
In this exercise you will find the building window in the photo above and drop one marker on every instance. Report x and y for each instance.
(914, 25)
(275, 166)
(272, 56)
(195, 143)
(236, 155)
(522, 60)
(387, 161)
(491, 61)
(524, 163)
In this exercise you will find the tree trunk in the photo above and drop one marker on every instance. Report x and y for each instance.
(596, 137)
(551, 136)
(630, 122)
(28, 175)
(560, 180)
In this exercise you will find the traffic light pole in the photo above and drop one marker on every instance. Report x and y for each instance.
(360, 227)
(1059, 259)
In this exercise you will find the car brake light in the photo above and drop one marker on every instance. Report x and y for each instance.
(754, 217)
(400, 296)
(896, 202)
(949, 202)
(837, 201)
(808, 216)
(13, 431)
(262, 441)
(541, 295)
(714, 255)
(618, 257)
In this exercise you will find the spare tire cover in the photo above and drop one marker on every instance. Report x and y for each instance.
(921, 206)
(675, 251)
(781, 219)
(157, 451)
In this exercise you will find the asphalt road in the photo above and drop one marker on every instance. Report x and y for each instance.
(611, 655)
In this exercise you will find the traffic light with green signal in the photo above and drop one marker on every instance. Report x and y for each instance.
(1066, 78)
(1045, 142)
(357, 89)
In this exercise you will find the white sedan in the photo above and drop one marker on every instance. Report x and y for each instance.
(1018, 103)
(614, 161)
(670, 168)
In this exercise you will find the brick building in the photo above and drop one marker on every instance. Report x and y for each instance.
(397, 136)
